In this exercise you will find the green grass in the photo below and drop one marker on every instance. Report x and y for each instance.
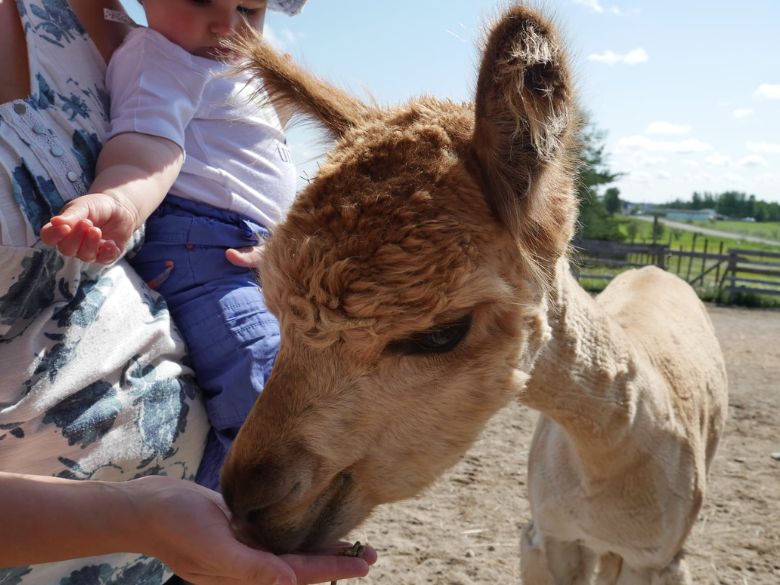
(687, 269)
(680, 239)
(766, 230)
(709, 292)
(677, 237)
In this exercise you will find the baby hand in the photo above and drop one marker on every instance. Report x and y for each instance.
(93, 228)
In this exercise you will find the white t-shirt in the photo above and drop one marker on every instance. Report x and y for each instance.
(236, 157)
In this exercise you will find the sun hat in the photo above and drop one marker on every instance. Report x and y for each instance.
(289, 7)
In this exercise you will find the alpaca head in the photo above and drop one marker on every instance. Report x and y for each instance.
(409, 279)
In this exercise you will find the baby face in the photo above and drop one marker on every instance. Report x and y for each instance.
(198, 26)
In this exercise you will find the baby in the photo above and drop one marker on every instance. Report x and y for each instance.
(207, 168)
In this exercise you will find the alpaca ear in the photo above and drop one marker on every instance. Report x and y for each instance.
(525, 132)
(294, 91)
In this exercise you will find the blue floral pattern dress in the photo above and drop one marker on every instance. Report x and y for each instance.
(94, 383)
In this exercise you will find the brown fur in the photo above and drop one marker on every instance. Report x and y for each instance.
(434, 214)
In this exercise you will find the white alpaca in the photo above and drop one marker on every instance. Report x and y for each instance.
(421, 283)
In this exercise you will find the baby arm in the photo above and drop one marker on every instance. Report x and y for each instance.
(134, 173)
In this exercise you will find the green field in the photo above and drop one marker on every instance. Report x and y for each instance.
(687, 268)
(769, 230)
(676, 237)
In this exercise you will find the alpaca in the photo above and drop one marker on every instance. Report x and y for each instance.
(421, 282)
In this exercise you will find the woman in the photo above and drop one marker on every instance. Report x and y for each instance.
(93, 386)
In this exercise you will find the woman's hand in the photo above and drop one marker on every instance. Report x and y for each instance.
(188, 528)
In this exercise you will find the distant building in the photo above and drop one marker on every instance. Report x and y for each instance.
(691, 214)
(638, 208)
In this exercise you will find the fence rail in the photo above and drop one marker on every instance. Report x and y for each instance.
(733, 271)
(745, 262)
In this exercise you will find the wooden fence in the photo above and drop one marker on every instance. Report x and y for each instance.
(620, 254)
(754, 263)
(736, 271)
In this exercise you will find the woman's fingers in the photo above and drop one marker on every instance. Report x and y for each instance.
(244, 565)
(191, 533)
(369, 554)
(324, 568)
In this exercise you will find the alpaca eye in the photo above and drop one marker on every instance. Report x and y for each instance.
(441, 340)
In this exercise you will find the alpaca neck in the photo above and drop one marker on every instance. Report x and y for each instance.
(587, 377)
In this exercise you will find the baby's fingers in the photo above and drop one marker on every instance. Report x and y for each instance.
(249, 257)
(73, 212)
(108, 253)
(90, 245)
(61, 226)
(71, 244)
(53, 234)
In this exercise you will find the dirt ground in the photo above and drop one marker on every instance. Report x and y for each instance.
(465, 529)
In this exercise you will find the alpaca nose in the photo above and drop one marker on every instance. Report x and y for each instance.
(255, 491)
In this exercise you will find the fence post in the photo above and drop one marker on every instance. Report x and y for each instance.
(732, 292)
(731, 267)
(690, 261)
(704, 260)
(661, 257)
(679, 258)
(717, 270)
(654, 256)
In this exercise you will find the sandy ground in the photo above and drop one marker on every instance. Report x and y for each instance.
(465, 529)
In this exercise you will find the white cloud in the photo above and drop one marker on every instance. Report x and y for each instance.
(638, 177)
(768, 178)
(640, 158)
(720, 160)
(273, 39)
(752, 160)
(643, 143)
(596, 7)
(289, 35)
(690, 163)
(715, 179)
(732, 178)
(699, 178)
(742, 113)
(631, 58)
(592, 4)
(667, 128)
(767, 92)
(764, 147)
(663, 175)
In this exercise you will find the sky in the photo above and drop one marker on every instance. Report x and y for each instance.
(686, 91)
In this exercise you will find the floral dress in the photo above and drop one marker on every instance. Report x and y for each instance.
(93, 380)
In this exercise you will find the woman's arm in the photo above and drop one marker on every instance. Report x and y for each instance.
(106, 34)
(184, 525)
(55, 519)
(134, 173)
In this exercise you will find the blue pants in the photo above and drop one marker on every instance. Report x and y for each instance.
(219, 309)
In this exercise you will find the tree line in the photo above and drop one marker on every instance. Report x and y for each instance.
(600, 217)
(597, 213)
(733, 204)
